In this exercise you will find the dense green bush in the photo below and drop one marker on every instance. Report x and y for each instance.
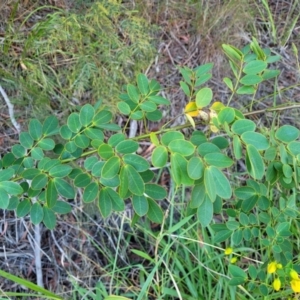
(247, 175)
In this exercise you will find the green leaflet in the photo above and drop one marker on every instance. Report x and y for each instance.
(254, 163)
(159, 156)
(205, 212)
(135, 182)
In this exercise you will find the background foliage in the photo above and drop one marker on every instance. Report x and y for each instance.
(69, 57)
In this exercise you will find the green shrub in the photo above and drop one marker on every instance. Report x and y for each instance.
(247, 175)
(71, 57)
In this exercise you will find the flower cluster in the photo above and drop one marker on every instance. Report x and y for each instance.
(295, 280)
(229, 251)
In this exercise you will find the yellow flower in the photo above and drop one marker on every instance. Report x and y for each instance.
(294, 275)
(233, 260)
(276, 284)
(295, 284)
(272, 267)
(228, 251)
(279, 266)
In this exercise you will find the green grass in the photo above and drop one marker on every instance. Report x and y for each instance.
(69, 58)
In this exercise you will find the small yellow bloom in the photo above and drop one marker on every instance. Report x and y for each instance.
(279, 266)
(272, 267)
(191, 109)
(228, 251)
(233, 260)
(295, 284)
(276, 284)
(294, 275)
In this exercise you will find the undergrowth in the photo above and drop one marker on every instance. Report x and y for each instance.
(67, 59)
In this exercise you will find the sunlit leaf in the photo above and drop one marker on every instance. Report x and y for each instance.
(73, 122)
(86, 114)
(218, 159)
(171, 136)
(259, 141)
(226, 115)
(35, 129)
(204, 97)
(255, 67)
(287, 133)
(124, 108)
(50, 126)
(182, 147)
(143, 84)
(26, 140)
(46, 144)
(241, 126)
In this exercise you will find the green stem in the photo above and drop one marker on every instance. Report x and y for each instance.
(188, 125)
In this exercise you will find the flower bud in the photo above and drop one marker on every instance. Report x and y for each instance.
(233, 260)
(272, 267)
(294, 275)
(276, 284)
(228, 251)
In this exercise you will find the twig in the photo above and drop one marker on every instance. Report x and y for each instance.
(10, 110)
(37, 254)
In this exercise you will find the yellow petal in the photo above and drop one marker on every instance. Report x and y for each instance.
(228, 251)
(191, 109)
(294, 275)
(277, 284)
(272, 267)
(233, 260)
(295, 285)
(191, 120)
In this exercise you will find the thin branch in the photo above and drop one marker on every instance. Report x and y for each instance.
(37, 253)
(10, 110)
